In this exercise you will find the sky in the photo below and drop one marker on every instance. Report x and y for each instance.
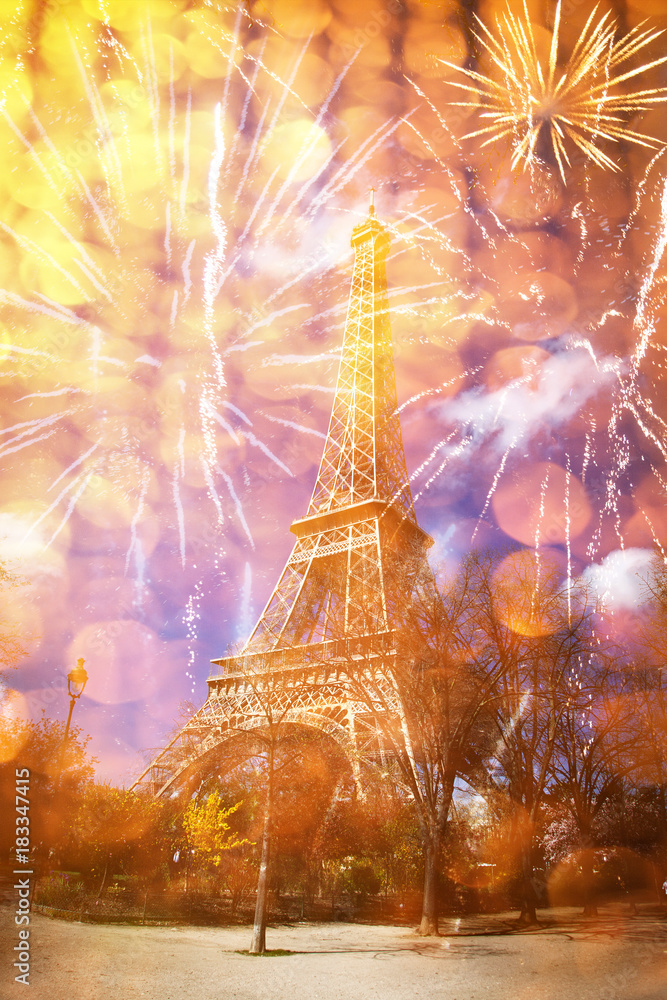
(179, 184)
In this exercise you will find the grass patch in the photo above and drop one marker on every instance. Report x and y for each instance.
(269, 953)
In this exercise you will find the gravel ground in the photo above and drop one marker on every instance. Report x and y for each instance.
(612, 958)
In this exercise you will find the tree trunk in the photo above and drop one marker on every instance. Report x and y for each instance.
(528, 913)
(588, 876)
(258, 943)
(104, 877)
(429, 921)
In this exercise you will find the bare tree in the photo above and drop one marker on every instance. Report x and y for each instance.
(264, 706)
(534, 632)
(472, 685)
(597, 746)
(648, 679)
(429, 697)
(648, 767)
(653, 637)
(273, 727)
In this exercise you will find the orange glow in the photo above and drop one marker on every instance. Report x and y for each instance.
(525, 587)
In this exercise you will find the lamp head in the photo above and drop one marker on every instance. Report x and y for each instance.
(76, 679)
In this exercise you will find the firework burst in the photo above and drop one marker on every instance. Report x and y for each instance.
(535, 102)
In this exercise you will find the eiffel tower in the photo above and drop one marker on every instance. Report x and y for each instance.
(359, 554)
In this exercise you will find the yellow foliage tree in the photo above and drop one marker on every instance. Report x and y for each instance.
(208, 831)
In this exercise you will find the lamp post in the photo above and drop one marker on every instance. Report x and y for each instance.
(76, 682)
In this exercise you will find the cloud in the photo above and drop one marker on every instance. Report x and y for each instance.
(547, 395)
(618, 579)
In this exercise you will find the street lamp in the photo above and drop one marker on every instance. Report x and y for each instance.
(76, 682)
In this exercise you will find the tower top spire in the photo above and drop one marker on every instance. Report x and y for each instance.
(363, 457)
(371, 207)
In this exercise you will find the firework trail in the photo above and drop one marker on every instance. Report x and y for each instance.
(174, 268)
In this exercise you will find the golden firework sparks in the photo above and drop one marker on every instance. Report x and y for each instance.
(582, 102)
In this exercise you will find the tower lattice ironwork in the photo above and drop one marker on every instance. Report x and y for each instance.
(359, 553)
